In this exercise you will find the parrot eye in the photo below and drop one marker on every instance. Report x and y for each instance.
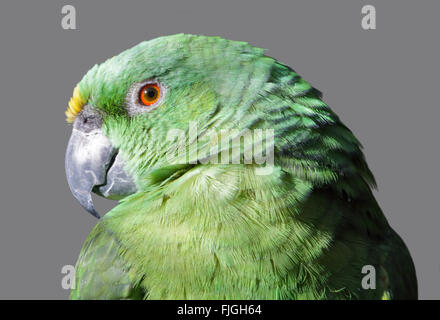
(145, 96)
(149, 94)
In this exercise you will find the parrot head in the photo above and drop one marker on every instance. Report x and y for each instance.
(158, 110)
(124, 109)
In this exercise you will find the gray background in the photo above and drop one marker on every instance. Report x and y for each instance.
(382, 83)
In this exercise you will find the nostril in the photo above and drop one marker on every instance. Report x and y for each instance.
(88, 120)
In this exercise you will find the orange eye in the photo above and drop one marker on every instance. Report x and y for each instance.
(149, 94)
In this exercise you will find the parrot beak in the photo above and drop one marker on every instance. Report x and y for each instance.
(93, 164)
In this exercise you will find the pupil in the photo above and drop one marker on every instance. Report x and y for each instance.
(151, 93)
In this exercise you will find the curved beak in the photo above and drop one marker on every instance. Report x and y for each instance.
(93, 164)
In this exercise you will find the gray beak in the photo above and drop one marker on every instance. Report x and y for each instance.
(93, 164)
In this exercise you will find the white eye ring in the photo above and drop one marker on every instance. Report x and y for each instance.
(133, 104)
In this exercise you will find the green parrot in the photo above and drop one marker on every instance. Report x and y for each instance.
(234, 180)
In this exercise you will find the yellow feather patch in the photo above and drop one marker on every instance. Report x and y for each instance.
(386, 295)
(76, 104)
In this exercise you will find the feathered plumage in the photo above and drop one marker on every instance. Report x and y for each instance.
(221, 231)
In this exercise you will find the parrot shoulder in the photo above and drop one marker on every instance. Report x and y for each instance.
(101, 273)
(399, 272)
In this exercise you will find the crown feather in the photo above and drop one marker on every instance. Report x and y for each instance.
(76, 104)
